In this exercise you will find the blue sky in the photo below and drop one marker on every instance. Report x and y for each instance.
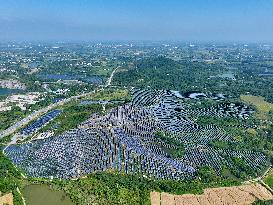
(184, 20)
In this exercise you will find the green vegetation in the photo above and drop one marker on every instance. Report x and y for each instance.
(219, 122)
(165, 73)
(248, 134)
(157, 73)
(269, 180)
(110, 94)
(7, 118)
(244, 136)
(116, 188)
(72, 115)
(240, 169)
(10, 179)
(5, 140)
(259, 102)
(178, 152)
(259, 202)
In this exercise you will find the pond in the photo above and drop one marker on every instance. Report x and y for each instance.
(41, 194)
(6, 91)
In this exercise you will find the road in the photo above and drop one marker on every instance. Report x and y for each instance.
(38, 113)
(109, 81)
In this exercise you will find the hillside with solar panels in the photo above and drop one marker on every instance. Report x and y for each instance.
(156, 135)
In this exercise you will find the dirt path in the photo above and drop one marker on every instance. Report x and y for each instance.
(23, 199)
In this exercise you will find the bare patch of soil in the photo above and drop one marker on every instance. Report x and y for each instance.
(237, 195)
(6, 199)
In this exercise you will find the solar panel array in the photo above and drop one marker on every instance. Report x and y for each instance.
(125, 140)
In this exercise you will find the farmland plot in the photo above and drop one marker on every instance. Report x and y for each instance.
(237, 195)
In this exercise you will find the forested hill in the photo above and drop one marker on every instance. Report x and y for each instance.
(164, 73)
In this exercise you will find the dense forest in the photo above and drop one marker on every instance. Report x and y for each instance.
(164, 73)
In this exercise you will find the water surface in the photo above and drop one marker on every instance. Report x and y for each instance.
(43, 195)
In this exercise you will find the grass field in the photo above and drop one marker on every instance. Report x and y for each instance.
(269, 180)
(252, 131)
(72, 115)
(261, 105)
(110, 94)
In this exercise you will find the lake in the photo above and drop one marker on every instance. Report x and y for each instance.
(37, 194)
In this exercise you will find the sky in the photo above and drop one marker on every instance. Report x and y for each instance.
(169, 20)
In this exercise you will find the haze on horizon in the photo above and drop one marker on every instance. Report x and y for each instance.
(88, 20)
